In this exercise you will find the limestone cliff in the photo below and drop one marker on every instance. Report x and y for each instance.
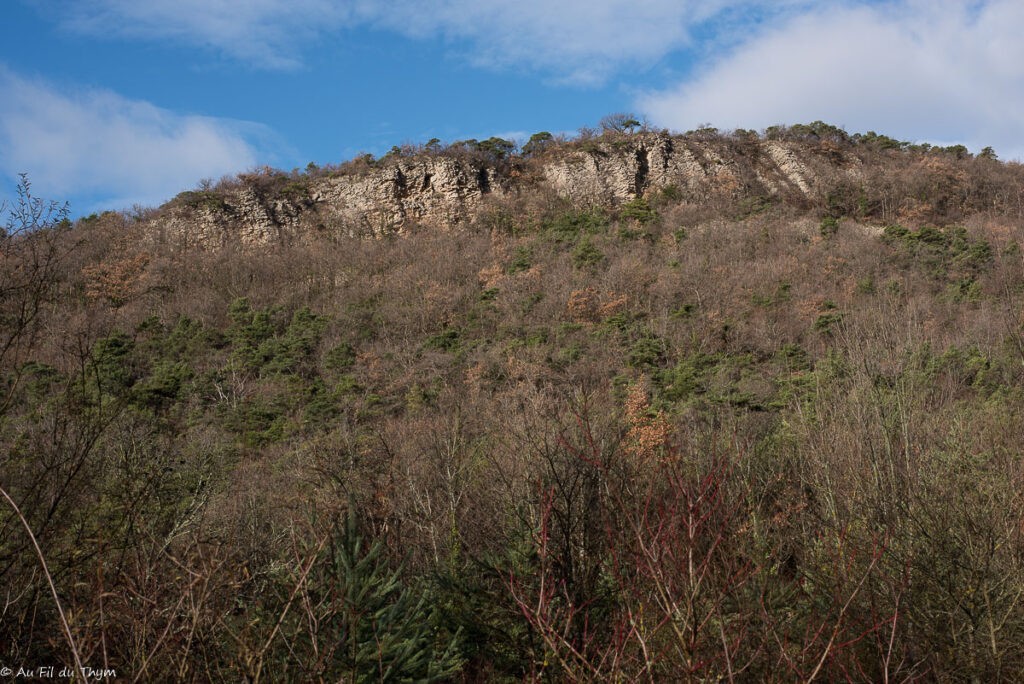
(444, 190)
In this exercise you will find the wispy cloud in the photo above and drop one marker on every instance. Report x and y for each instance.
(938, 70)
(264, 33)
(109, 150)
(575, 40)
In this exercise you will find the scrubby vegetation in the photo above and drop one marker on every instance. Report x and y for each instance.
(742, 439)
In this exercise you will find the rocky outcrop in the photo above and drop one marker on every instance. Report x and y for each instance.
(633, 166)
(789, 165)
(630, 167)
(240, 214)
(437, 190)
(444, 190)
(263, 210)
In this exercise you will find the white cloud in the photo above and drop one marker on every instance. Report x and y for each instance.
(938, 71)
(118, 152)
(266, 33)
(579, 40)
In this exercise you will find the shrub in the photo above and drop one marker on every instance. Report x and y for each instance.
(825, 321)
(522, 259)
(647, 351)
(209, 200)
(638, 210)
(570, 226)
(340, 357)
(586, 254)
(829, 227)
(446, 340)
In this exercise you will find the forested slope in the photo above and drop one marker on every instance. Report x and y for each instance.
(693, 431)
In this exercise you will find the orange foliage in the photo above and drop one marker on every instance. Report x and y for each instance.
(582, 306)
(589, 306)
(117, 281)
(649, 431)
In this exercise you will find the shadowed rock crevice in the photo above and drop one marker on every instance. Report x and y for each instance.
(401, 186)
(643, 169)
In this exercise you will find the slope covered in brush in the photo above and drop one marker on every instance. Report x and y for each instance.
(669, 429)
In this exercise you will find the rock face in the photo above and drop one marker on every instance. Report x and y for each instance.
(438, 190)
(620, 172)
(444, 190)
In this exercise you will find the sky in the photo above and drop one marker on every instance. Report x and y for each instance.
(113, 104)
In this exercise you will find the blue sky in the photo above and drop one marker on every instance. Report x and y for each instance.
(111, 103)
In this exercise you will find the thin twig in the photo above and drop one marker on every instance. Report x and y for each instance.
(53, 587)
(284, 612)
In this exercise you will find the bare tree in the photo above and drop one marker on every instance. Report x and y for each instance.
(620, 122)
(30, 256)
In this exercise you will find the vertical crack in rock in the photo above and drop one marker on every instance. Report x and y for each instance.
(483, 180)
(643, 170)
(401, 186)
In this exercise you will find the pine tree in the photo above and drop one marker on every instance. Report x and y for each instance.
(371, 627)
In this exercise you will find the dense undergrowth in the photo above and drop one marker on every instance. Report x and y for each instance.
(729, 440)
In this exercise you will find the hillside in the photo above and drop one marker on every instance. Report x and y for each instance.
(628, 406)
